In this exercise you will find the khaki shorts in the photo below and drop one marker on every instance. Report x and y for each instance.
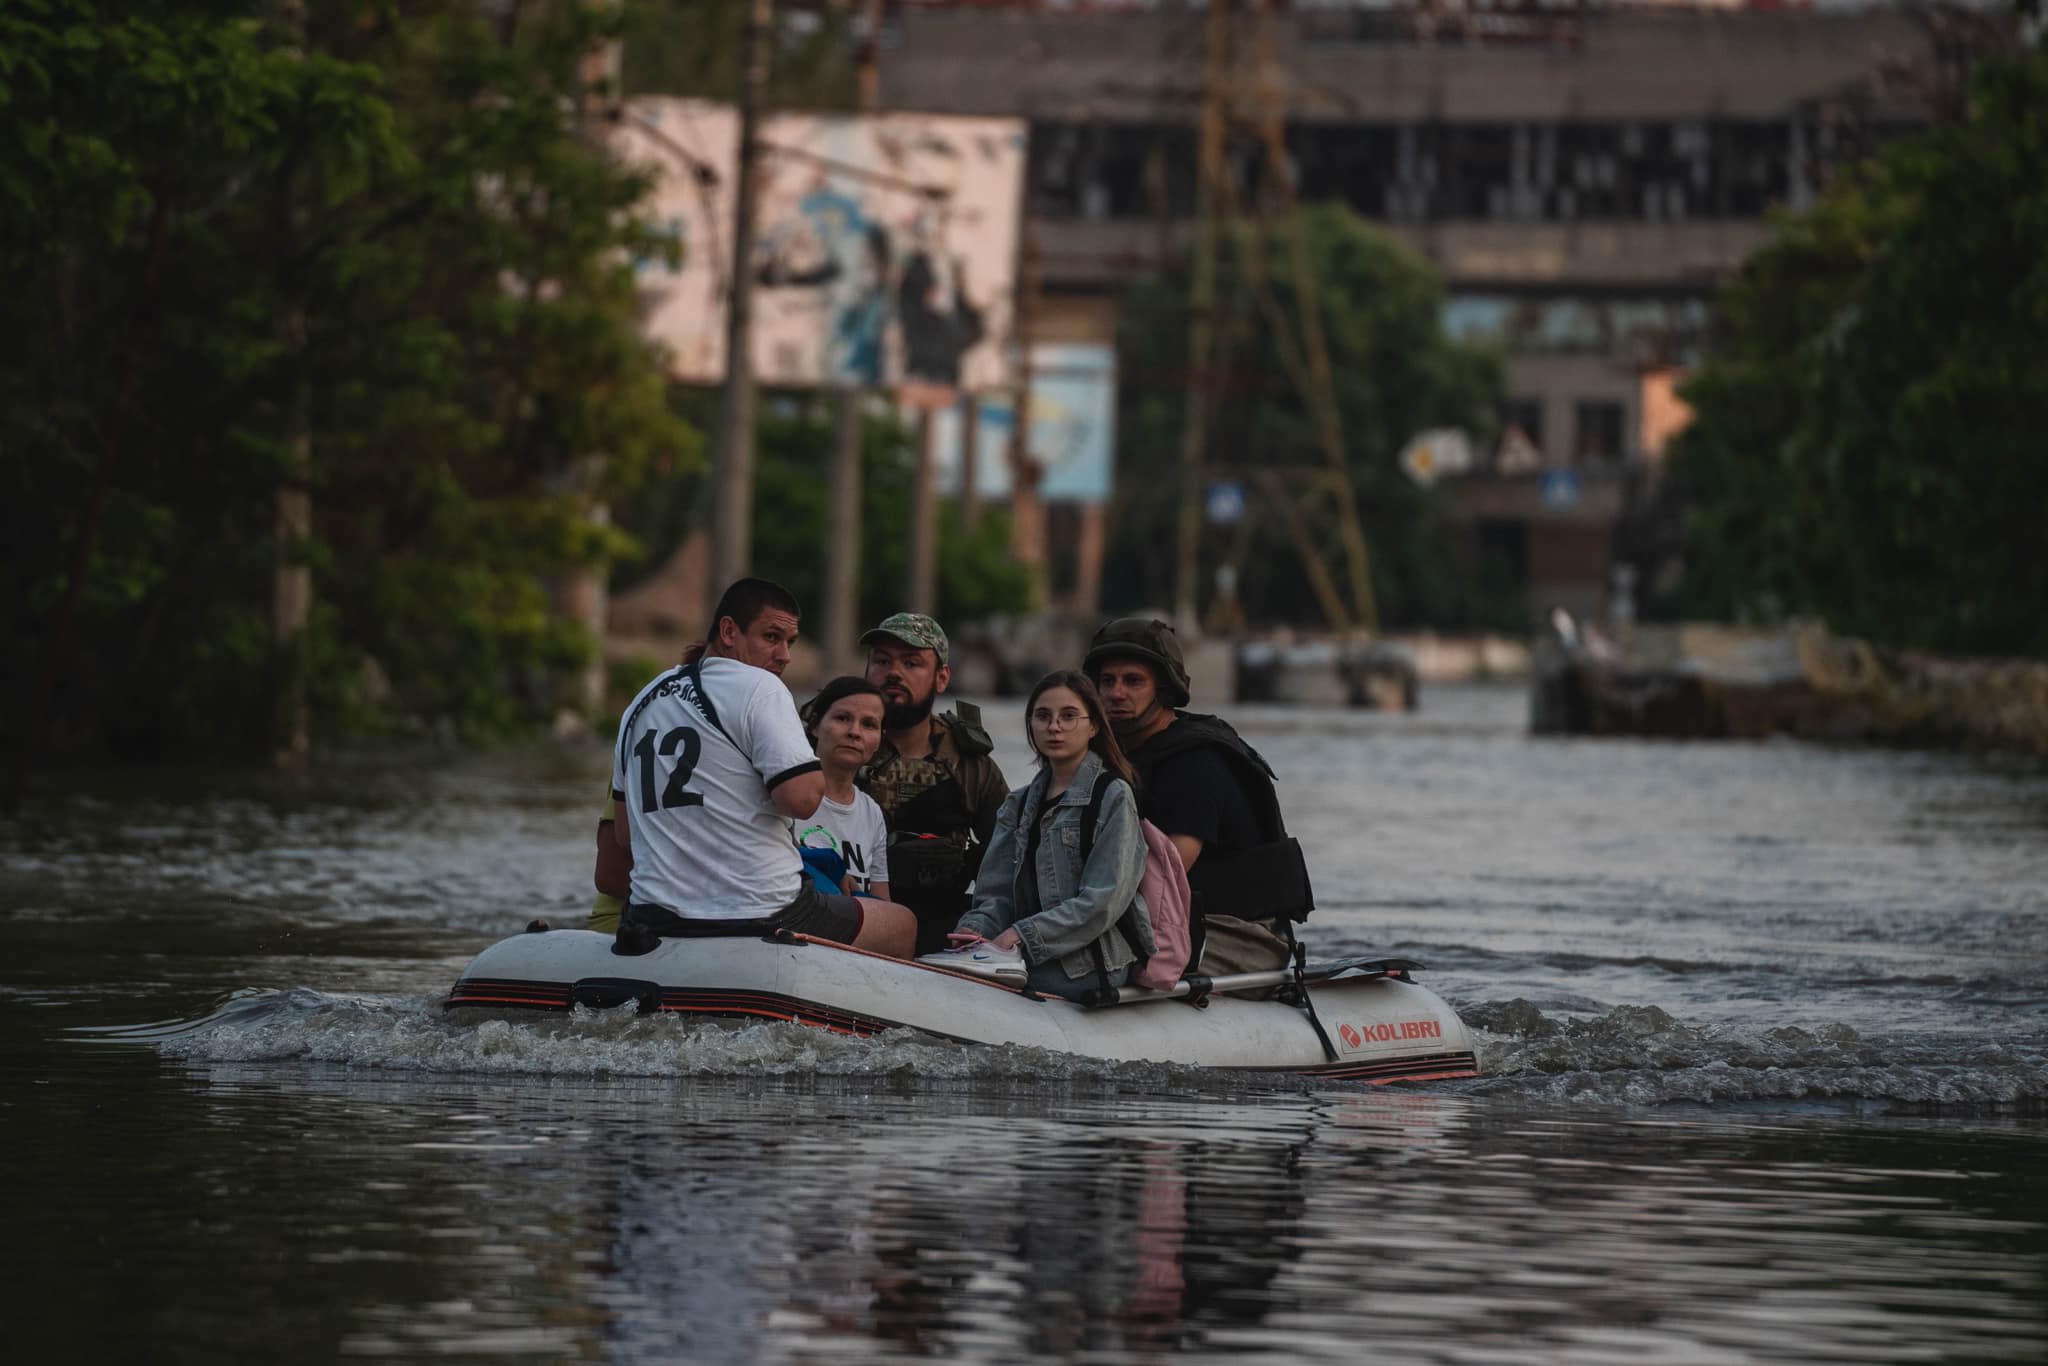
(1232, 946)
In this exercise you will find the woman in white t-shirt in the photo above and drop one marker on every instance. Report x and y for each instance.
(844, 722)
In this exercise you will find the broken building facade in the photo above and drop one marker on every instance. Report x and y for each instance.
(1584, 177)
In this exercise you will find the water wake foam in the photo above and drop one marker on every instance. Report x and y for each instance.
(1628, 1055)
(414, 1035)
(1641, 1055)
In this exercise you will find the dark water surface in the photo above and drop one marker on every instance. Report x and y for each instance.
(1765, 1030)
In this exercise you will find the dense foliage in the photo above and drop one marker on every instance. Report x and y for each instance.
(975, 575)
(1396, 373)
(369, 233)
(792, 499)
(698, 48)
(1870, 442)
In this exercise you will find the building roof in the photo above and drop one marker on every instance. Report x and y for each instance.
(1393, 65)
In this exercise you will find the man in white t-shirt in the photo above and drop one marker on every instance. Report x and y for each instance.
(710, 766)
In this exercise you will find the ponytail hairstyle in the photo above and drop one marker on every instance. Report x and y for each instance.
(1104, 740)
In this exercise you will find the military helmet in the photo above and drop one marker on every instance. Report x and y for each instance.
(1147, 639)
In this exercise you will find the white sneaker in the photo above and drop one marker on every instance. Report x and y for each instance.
(983, 959)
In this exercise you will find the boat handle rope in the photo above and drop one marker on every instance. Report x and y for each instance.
(1298, 989)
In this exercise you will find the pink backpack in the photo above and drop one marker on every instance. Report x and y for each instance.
(1168, 904)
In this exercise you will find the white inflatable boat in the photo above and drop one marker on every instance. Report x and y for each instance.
(1363, 1019)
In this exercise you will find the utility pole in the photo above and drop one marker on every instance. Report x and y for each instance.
(1201, 315)
(733, 448)
(1027, 509)
(292, 515)
(924, 521)
(578, 592)
(842, 534)
(1307, 357)
(843, 523)
(970, 461)
(292, 579)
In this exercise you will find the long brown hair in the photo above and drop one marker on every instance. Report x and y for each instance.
(1104, 742)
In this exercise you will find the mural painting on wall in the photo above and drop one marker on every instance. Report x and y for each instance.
(885, 252)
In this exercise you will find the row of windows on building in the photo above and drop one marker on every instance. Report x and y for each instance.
(1558, 171)
(1638, 330)
(1599, 434)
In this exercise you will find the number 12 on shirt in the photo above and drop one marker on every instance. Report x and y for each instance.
(672, 793)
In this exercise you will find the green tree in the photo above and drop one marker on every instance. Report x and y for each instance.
(696, 48)
(976, 576)
(1396, 372)
(1868, 443)
(227, 225)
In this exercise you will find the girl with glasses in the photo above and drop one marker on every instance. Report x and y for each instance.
(1054, 884)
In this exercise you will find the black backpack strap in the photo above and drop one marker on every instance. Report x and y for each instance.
(1093, 813)
(1037, 823)
(1108, 993)
(694, 672)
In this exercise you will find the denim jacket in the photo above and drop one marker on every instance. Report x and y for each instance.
(1077, 906)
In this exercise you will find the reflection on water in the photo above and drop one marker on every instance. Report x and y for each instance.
(315, 1211)
(1709, 979)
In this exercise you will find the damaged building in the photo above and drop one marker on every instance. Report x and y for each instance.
(1584, 176)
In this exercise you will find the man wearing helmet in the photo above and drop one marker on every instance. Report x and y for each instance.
(934, 777)
(1211, 793)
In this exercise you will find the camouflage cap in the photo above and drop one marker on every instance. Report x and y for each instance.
(914, 629)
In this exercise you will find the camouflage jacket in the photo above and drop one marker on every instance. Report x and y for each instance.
(961, 750)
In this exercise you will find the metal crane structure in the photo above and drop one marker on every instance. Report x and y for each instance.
(1240, 112)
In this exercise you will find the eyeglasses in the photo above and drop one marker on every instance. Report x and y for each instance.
(1060, 720)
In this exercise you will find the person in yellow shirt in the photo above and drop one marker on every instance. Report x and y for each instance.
(614, 869)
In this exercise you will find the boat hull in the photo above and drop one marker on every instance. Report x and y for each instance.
(1380, 1026)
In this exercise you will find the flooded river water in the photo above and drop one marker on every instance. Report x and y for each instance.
(1764, 1033)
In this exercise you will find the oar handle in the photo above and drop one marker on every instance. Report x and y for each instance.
(1189, 986)
(1247, 981)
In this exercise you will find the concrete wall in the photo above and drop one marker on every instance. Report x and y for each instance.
(1078, 254)
(1605, 64)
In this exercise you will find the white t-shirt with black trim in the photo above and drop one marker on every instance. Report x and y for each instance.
(856, 831)
(708, 842)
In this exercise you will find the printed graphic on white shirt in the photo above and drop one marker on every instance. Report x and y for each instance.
(694, 771)
(856, 831)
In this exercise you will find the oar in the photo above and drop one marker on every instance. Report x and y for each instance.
(1247, 981)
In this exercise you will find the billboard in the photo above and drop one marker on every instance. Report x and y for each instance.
(1073, 428)
(885, 245)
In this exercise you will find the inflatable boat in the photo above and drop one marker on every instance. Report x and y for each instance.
(1363, 1019)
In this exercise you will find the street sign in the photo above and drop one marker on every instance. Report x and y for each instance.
(1560, 488)
(1225, 503)
(1517, 453)
(1433, 454)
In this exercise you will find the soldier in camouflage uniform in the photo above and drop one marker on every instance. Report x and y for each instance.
(934, 776)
